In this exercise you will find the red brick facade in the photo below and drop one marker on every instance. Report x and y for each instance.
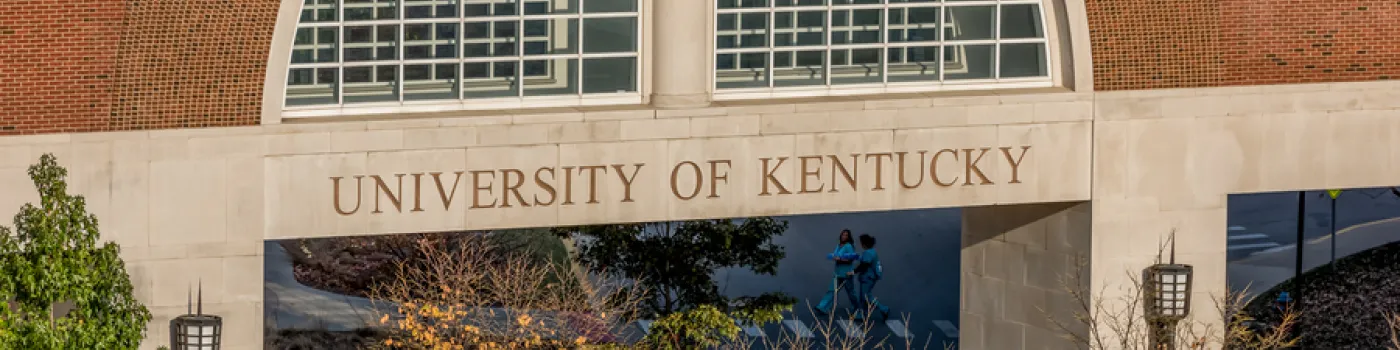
(1149, 44)
(104, 65)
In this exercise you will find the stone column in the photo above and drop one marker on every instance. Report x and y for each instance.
(1020, 265)
(681, 53)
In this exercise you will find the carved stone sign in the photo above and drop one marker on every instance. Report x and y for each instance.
(701, 179)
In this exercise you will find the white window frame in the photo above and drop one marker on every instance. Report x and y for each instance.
(885, 85)
(521, 82)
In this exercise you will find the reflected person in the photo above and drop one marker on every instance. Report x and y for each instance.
(867, 272)
(845, 257)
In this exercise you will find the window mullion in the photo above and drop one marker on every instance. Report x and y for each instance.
(884, 28)
(942, 43)
(826, 56)
(520, 47)
(578, 66)
(340, 52)
(996, 49)
(398, 47)
(772, 46)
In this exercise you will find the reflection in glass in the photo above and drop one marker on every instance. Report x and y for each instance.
(369, 43)
(855, 26)
(318, 11)
(606, 35)
(550, 77)
(1023, 60)
(961, 62)
(971, 22)
(490, 39)
(490, 8)
(314, 45)
(369, 10)
(917, 63)
(311, 86)
(554, 36)
(913, 24)
(414, 9)
(430, 40)
(856, 66)
(742, 30)
(550, 7)
(728, 4)
(609, 75)
(744, 70)
(799, 68)
(1020, 21)
(801, 28)
(371, 84)
(491, 79)
(430, 82)
(605, 6)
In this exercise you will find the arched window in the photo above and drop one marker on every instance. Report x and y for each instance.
(767, 48)
(403, 55)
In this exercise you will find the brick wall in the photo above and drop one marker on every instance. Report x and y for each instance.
(104, 65)
(1147, 44)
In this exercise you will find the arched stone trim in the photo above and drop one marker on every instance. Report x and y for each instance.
(278, 58)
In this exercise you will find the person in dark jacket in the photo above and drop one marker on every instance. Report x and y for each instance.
(867, 272)
(845, 258)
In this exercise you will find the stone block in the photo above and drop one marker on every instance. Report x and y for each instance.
(656, 129)
(363, 141)
(524, 134)
(440, 137)
(725, 126)
(298, 143)
(596, 131)
(188, 205)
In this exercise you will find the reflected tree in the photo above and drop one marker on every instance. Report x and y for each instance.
(676, 262)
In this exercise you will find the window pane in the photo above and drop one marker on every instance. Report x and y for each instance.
(430, 9)
(742, 30)
(799, 68)
(318, 11)
(971, 22)
(968, 62)
(610, 75)
(1023, 60)
(913, 63)
(490, 39)
(601, 6)
(801, 3)
(856, 66)
(491, 79)
(746, 70)
(728, 4)
(805, 28)
(314, 45)
(550, 77)
(430, 82)
(855, 26)
(311, 86)
(429, 40)
(914, 24)
(367, 10)
(487, 8)
(610, 35)
(1020, 21)
(367, 43)
(371, 84)
(550, 7)
(551, 36)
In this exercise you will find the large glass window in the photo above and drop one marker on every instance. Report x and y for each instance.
(408, 52)
(824, 46)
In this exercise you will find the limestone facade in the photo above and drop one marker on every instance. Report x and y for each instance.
(196, 204)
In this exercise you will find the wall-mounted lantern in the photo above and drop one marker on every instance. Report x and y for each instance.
(195, 330)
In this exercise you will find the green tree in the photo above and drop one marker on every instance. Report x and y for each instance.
(699, 328)
(675, 262)
(53, 256)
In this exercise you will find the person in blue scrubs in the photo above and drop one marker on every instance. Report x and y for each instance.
(867, 273)
(845, 258)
